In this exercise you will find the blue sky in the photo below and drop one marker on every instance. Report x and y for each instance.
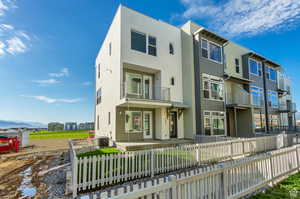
(48, 48)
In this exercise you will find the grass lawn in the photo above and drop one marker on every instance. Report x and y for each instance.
(284, 189)
(79, 134)
(103, 151)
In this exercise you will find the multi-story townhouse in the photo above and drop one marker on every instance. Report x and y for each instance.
(207, 97)
(287, 108)
(158, 81)
(139, 80)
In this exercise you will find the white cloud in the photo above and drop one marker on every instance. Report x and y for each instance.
(46, 82)
(87, 83)
(15, 41)
(52, 100)
(2, 46)
(15, 45)
(245, 17)
(63, 73)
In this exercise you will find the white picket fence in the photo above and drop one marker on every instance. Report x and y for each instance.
(99, 171)
(231, 180)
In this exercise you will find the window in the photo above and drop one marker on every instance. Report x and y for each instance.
(272, 74)
(214, 123)
(172, 81)
(215, 52)
(259, 121)
(138, 41)
(134, 83)
(133, 121)
(98, 125)
(152, 45)
(211, 51)
(273, 99)
(171, 49)
(108, 117)
(255, 67)
(98, 71)
(204, 48)
(110, 49)
(99, 96)
(237, 65)
(256, 95)
(213, 87)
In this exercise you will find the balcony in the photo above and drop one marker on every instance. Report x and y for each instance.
(238, 97)
(283, 83)
(287, 107)
(140, 91)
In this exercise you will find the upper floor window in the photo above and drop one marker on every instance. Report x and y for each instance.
(171, 49)
(273, 99)
(152, 45)
(213, 87)
(255, 67)
(99, 96)
(98, 71)
(110, 49)
(211, 51)
(138, 41)
(256, 95)
(271, 74)
(237, 65)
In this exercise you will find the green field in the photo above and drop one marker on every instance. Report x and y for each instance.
(78, 134)
(288, 188)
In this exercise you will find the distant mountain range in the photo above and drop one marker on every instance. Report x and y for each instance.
(21, 124)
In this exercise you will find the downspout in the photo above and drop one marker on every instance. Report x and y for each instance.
(265, 98)
(225, 93)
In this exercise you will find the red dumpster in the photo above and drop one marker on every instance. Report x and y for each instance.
(9, 144)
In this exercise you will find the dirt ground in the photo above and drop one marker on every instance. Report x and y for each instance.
(10, 178)
(36, 158)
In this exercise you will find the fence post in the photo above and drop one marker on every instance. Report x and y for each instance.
(172, 180)
(224, 181)
(231, 150)
(297, 154)
(272, 170)
(152, 163)
(74, 174)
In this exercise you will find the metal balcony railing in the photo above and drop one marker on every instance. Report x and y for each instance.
(238, 96)
(145, 92)
(287, 107)
(283, 82)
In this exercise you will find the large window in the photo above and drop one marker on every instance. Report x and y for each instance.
(237, 65)
(214, 123)
(256, 95)
(271, 74)
(134, 83)
(273, 99)
(259, 122)
(255, 67)
(213, 87)
(211, 51)
(133, 121)
(138, 41)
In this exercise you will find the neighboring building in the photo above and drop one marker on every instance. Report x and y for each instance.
(86, 126)
(55, 126)
(70, 126)
(158, 81)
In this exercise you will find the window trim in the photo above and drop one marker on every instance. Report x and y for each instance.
(262, 95)
(257, 64)
(212, 79)
(211, 117)
(136, 31)
(208, 50)
(134, 131)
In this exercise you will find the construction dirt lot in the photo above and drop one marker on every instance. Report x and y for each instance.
(30, 173)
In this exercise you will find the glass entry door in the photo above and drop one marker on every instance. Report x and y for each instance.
(147, 87)
(173, 124)
(148, 126)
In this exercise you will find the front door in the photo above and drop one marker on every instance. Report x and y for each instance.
(148, 125)
(173, 124)
(147, 87)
